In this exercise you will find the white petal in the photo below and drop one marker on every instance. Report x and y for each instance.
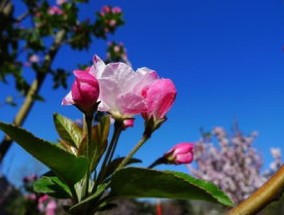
(68, 100)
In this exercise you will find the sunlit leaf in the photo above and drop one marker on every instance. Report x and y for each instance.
(66, 166)
(68, 130)
(99, 142)
(139, 182)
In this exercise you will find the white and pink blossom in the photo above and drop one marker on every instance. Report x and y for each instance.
(121, 87)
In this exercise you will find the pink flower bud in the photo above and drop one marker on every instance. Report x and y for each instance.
(112, 22)
(29, 179)
(159, 97)
(54, 10)
(180, 154)
(106, 9)
(128, 123)
(43, 198)
(116, 10)
(31, 197)
(116, 48)
(84, 93)
(34, 58)
(60, 2)
(51, 208)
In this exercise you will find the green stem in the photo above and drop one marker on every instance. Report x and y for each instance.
(111, 148)
(89, 120)
(266, 194)
(133, 151)
(159, 161)
(118, 128)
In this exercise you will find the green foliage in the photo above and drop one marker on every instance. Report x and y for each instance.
(99, 141)
(78, 157)
(70, 132)
(114, 164)
(138, 182)
(69, 168)
(52, 185)
(91, 203)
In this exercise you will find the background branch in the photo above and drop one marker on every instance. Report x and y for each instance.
(267, 193)
(33, 91)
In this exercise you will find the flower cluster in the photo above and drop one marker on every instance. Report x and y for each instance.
(108, 19)
(118, 90)
(234, 165)
(117, 52)
(275, 164)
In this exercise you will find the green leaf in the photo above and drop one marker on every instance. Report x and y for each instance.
(66, 166)
(99, 142)
(68, 130)
(89, 203)
(113, 165)
(52, 185)
(138, 182)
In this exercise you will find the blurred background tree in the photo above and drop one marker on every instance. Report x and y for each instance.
(229, 160)
(31, 42)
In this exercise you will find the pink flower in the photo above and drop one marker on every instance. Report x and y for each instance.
(29, 179)
(54, 10)
(60, 2)
(276, 153)
(180, 154)
(128, 123)
(31, 197)
(43, 198)
(112, 22)
(116, 48)
(106, 9)
(84, 93)
(34, 58)
(121, 87)
(51, 208)
(159, 97)
(116, 10)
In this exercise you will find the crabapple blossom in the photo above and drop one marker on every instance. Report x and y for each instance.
(84, 92)
(60, 2)
(34, 58)
(106, 9)
(54, 10)
(116, 10)
(121, 87)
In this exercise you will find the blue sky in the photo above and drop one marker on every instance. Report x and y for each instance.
(225, 57)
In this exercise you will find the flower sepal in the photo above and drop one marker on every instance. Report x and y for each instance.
(152, 124)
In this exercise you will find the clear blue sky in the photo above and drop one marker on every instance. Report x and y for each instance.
(226, 58)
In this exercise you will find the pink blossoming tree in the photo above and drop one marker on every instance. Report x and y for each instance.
(232, 163)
